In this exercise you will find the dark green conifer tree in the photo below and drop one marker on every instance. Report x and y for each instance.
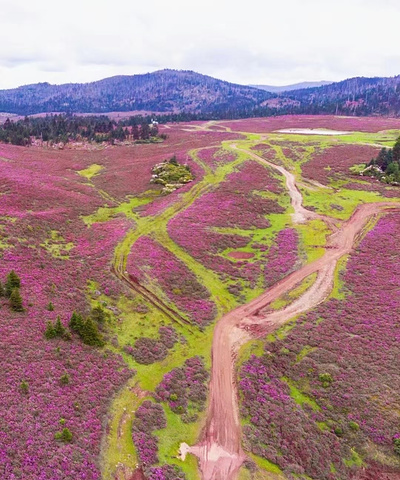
(13, 281)
(50, 331)
(90, 335)
(16, 301)
(59, 328)
(396, 151)
(76, 322)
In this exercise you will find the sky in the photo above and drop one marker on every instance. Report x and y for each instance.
(247, 42)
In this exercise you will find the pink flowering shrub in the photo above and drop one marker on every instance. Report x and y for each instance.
(148, 418)
(235, 204)
(166, 472)
(343, 356)
(48, 386)
(150, 350)
(149, 260)
(185, 388)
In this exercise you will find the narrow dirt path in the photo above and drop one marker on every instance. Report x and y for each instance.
(219, 451)
(300, 214)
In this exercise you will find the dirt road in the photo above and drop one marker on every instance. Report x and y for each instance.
(219, 451)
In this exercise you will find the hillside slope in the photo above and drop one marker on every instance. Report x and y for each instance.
(355, 96)
(161, 91)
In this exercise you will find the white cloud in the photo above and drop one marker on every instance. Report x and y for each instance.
(245, 42)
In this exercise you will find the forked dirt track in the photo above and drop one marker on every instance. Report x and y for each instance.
(219, 450)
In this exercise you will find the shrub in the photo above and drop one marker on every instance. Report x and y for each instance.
(50, 307)
(65, 435)
(326, 379)
(64, 379)
(396, 444)
(338, 431)
(148, 350)
(354, 426)
(185, 389)
(166, 472)
(98, 314)
(24, 387)
(168, 336)
(148, 418)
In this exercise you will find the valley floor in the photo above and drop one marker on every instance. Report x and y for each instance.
(233, 303)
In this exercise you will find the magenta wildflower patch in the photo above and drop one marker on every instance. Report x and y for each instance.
(149, 260)
(343, 356)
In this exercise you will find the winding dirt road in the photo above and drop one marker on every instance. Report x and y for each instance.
(219, 450)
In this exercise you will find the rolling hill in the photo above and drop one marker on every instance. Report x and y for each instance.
(198, 96)
(168, 91)
(355, 96)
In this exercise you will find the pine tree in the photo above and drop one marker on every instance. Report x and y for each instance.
(396, 151)
(50, 331)
(16, 301)
(50, 307)
(90, 335)
(76, 322)
(59, 329)
(13, 281)
(2, 291)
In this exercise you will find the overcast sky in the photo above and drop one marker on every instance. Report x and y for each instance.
(251, 41)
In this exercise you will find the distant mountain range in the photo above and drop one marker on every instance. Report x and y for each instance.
(187, 94)
(169, 91)
(288, 88)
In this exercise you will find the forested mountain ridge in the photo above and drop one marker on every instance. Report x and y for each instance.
(355, 96)
(188, 95)
(162, 91)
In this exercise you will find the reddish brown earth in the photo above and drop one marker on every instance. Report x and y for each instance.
(219, 451)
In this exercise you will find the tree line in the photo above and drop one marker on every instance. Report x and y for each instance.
(65, 128)
(386, 166)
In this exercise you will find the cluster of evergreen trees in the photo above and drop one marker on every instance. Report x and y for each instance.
(65, 128)
(11, 290)
(86, 328)
(386, 166)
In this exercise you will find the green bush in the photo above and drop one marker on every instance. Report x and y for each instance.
(396, 445)
(65, 435)
(64, 379)
(326, 379)
(24, 387)
(354, 426)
